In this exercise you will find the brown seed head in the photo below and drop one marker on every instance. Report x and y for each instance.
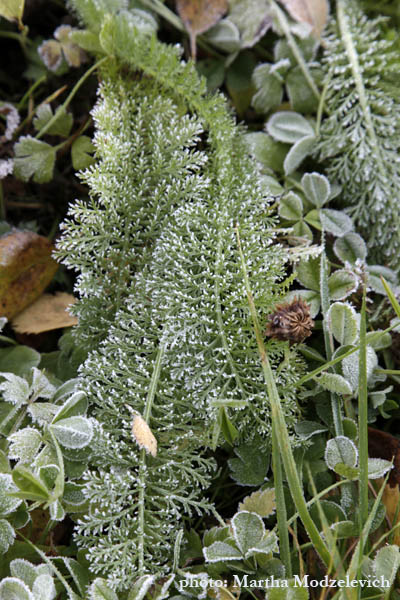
(290, 322)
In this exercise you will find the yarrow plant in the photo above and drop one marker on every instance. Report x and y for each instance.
(360, 138)
(160, 233)
(220, 346)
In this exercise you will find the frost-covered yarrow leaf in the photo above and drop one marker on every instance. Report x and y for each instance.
(180, 326)
(136, 184)
(360, 138)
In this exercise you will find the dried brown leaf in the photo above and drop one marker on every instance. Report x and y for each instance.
(313, 12)
(26, 269)
(45, 314)
(200, 15)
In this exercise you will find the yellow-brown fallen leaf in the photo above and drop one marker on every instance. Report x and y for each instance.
(26, 269)
(391, 499)
(200, 15)
(313, 12)
(46, 313)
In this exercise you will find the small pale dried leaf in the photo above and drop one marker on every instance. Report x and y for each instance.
(12, 119)
(313, 12)
(200, 15)
(143, 435)
(26, 269)
(45, 314)
(74, 55)
(51, 54)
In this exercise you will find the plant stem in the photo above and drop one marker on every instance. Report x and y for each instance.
(281, 429)
(325, 304)
(53, 568)
(70, 96)
(31, 113)
(143, 467)
(33, 87)
(295, 49)
(363, 415)
(281, 513)
(321, 107)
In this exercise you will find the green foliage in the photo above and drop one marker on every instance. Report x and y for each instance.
(131, 177)
(249, 538)
(272, 79)
(360, 138)
(41, 440)
(165, 292)
(251, 466)
(180, 225)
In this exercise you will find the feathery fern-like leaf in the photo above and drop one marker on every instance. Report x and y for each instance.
(180, 345)
(147, 164)
(360, 138)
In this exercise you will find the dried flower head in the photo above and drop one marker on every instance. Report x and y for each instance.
(290, 321)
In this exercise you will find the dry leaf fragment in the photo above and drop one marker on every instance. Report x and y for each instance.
(12, 120)
(52, 51)
(313, 12)
(45, 314)
(143, 435)
(200, 15)
(26, 269)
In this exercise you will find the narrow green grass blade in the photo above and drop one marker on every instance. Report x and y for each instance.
(363, 415)
(338, 359)
(391, 297)
(281, 512)
(278, 419)
(358, 554)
